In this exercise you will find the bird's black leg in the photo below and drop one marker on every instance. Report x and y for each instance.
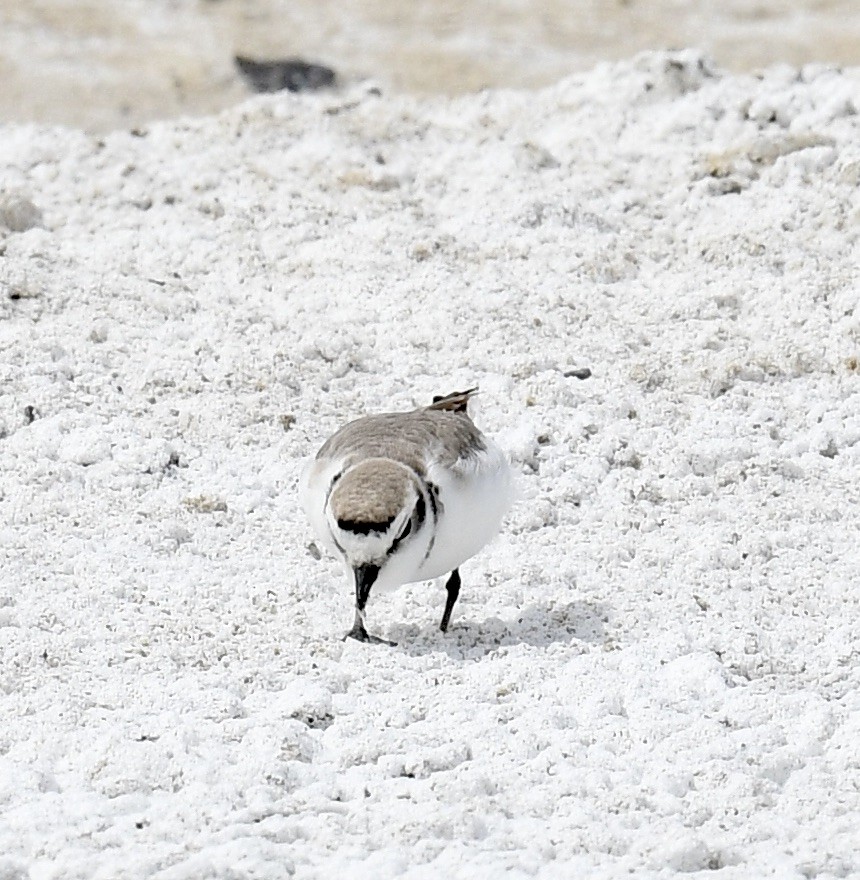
(364, 578)
(453, 588)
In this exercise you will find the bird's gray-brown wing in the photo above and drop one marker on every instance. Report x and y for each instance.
(414, 438)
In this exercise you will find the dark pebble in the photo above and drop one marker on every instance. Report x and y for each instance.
(581, 373)
(291, 74)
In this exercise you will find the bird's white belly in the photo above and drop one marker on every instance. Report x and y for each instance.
(472, 506)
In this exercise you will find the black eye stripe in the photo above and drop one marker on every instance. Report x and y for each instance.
(363, 528)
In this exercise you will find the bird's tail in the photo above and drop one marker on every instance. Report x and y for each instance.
(454, 402)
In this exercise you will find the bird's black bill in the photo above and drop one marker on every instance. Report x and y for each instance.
(365, 576)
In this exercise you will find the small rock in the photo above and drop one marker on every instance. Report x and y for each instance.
(21, 289)
(534, 157)
(291, 74)
(206, 504)
(829, 451)
(578, 373)
(18, 214)
(702, 603)
(725, 186)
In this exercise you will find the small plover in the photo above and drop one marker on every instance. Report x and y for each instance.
(404, 497)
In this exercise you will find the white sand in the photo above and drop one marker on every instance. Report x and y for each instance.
(653, 671)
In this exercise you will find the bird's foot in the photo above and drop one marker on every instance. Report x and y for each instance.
(360, 634)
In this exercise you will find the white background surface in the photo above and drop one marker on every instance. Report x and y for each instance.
(654, 669)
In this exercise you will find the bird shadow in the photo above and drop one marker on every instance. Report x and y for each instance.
(539, 625)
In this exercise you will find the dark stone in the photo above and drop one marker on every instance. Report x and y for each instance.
(581, 373)
(291, 74)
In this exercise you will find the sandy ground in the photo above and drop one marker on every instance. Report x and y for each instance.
(104, 64)
(652, 672)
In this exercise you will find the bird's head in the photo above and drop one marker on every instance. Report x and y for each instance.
(374, 512)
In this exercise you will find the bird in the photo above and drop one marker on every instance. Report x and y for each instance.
(407, 496)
